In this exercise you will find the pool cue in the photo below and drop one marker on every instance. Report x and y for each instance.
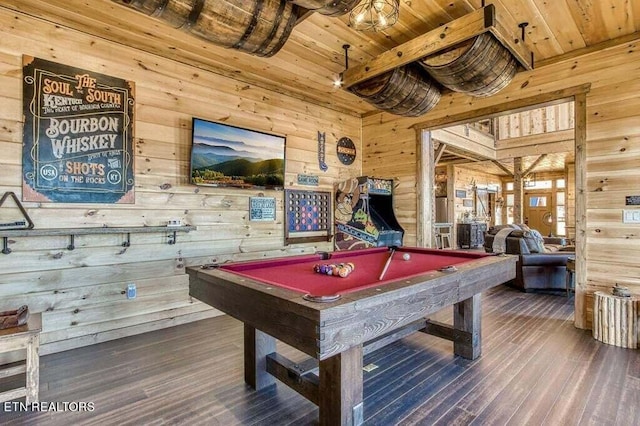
(386, 265)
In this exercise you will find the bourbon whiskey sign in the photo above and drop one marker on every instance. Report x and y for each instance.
(78, 135)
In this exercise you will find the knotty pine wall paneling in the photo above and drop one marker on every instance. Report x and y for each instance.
(612, 155)
(465, 178)
(81, 293)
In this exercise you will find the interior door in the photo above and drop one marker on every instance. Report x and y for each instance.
(536, 204)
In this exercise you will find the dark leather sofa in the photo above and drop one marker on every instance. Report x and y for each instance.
(540, 266)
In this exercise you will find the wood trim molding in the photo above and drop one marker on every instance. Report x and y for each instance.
(581, 210)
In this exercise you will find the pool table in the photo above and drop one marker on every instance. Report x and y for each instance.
(278, 299)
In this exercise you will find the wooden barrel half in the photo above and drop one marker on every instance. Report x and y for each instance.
(406, 90)
(259, 27)
(328, 7)
(479, 67)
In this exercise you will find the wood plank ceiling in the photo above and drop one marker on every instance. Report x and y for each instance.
(313, 56)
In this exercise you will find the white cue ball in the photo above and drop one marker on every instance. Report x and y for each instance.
(406, 256)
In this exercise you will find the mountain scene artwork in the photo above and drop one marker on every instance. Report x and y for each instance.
(229, 156)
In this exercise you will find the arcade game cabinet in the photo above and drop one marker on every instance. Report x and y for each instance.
(364, 215)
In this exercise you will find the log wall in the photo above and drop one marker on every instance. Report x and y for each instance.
(81, 292)
(612, 155)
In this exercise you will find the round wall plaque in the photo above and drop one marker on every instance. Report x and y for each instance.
(346, 151)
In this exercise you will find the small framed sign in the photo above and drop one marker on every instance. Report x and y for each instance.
(467, 203)
(262, 209)
(461, 193)
(632, 200)
(309, 180)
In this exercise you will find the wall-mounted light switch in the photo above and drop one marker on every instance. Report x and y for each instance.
(131, 291)
(631, 216)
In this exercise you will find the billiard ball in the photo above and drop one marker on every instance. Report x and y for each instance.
(406, 256)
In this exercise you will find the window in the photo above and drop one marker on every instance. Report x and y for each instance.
(538, 201)
(510, 204)
(540, 184)
(561, 224)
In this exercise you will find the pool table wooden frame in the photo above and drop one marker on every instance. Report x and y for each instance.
(338, 334)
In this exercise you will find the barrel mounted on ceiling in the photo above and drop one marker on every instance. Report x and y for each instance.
(457, 54)
(406, 91)
(257, 27)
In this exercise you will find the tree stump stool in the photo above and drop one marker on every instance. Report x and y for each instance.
(615, 320)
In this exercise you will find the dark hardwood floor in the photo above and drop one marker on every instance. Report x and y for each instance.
(536, 368)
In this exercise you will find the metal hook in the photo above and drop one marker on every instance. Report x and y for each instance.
(127, 243)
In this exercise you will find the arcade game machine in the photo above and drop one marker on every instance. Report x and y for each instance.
(364, 215)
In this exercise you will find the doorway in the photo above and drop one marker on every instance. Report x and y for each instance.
(426, 168)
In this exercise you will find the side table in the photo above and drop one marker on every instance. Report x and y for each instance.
(23, 337)
(571, 271)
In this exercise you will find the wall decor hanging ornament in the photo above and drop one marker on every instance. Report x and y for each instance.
(321, 151)
(77, 144)
(346, 151)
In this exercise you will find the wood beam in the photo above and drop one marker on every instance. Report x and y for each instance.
(457, 162)
(425, 172)
(439, 152)
(507, 31)
(518, 199)
(464, 28)
(533, 166)
(454, 139)
(533, 150)
(502, 167)
(467, 156)
(537, 139)
(303, 14)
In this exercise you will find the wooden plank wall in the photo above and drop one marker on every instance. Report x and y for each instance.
(81, 292)
(549, 119)
(464, 179)
(612, 154)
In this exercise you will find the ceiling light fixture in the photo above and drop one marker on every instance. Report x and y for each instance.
(374, 15)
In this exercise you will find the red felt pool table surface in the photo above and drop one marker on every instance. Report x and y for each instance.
(296, 273)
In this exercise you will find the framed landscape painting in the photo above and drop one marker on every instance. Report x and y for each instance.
(229, 156)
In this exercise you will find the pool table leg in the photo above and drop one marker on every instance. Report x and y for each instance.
(340, 396)
(467, 317)
(257, 345)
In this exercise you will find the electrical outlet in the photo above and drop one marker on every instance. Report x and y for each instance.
(631, 216)
(131, 291)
